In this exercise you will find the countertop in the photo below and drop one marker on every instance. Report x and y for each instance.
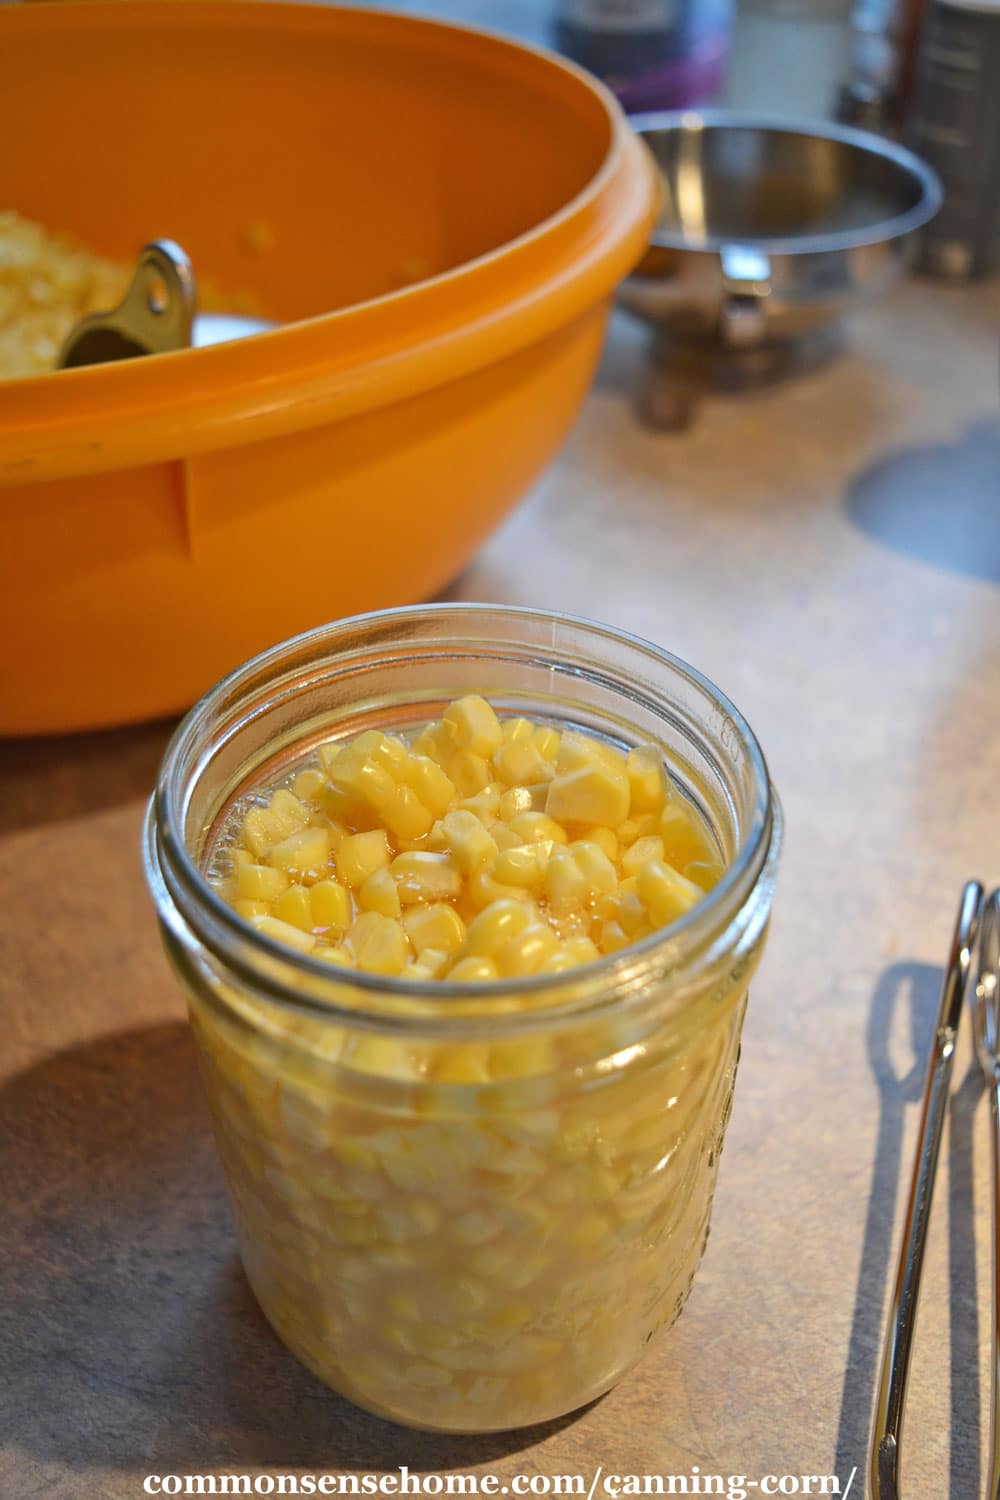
(829, 552)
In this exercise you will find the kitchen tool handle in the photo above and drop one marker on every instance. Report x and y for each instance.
(155, 316)
(890, 1401)
(987, 1028)
(746, 281)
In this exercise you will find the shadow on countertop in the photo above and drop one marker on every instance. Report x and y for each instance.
(939, 503)
(55, 778)
(129, 1337)
(917, 987)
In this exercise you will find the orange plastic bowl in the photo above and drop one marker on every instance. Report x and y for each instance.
(167, 517)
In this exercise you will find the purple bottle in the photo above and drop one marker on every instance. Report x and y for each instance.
(655, 54)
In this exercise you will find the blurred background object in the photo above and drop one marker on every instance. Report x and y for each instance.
(954, 122)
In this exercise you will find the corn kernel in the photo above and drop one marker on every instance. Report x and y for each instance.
(295, 907)
(247, 909)
(434, 741)
(496, 925)
(538, 827)
(547, 740)
(591, 793)
(523, 866)
(484, 804)
(360, 855)
(612, 937)
(518, 799)
(309, 785)
(471, 846)
(596, 869)
(284, 932)
(473, 970)
(525, 953)
(647, 779)
(470, 772)
(405, 815)
(644, 826)
(331, 907)
(306, 851)
(684, 838)
(704, 872)
(435, 789)
(379, 893)
(639, 853)
(432, 963)
(520, 762)
(517, 729)
(260, 882)
(473, 725)
(666, 893)
(379, 944)
(482, 890)
(327, 754)
(437, 926)
(422, 876)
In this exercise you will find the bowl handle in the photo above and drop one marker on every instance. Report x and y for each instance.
(746, 281)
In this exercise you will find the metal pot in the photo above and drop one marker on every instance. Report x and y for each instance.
(772, 229)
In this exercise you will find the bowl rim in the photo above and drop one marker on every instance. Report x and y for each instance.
(894, 227)
(339, 363)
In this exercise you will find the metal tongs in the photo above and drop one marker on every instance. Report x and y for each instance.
(975, 948)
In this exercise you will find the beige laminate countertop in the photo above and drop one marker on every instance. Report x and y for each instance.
(829, 553)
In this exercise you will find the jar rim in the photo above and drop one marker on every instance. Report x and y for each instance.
(187, 902)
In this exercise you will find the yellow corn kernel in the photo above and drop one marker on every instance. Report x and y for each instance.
(482, 890)
(520, 763)
(666, 893)
(361, 854)
(525, 953)
(473, 970)
(647, 779)
(238, 857)
(473, 725)
(547, 740)
(644, 826)
(327, 754)
(293, 906)
(517, 729)
(471, 846)
(519, 799)
(286, 812)
(437, 926)
(685, 838)
(331, 907)
(256, 832)
(606, 839)
(433, 786)
(484, 804)
(388, 750)
(565, 886)
(379, 944)
(379, 893)
(504, 836)
(612, 937)
(309, 785)
(538, 827)
(334, 955)
(523, 866)
(434, 741)
(704, 872)
(423, 876)
(595, 867)
(470, 773)
(431, 964)
(405, 815)
(595, 792)
(247, 909)
(492, 928)
(581, 950)
(284, 932)
(260, 883)
(639, 853)
(306, 851)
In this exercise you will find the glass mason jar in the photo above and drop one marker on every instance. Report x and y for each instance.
(466, 1208)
